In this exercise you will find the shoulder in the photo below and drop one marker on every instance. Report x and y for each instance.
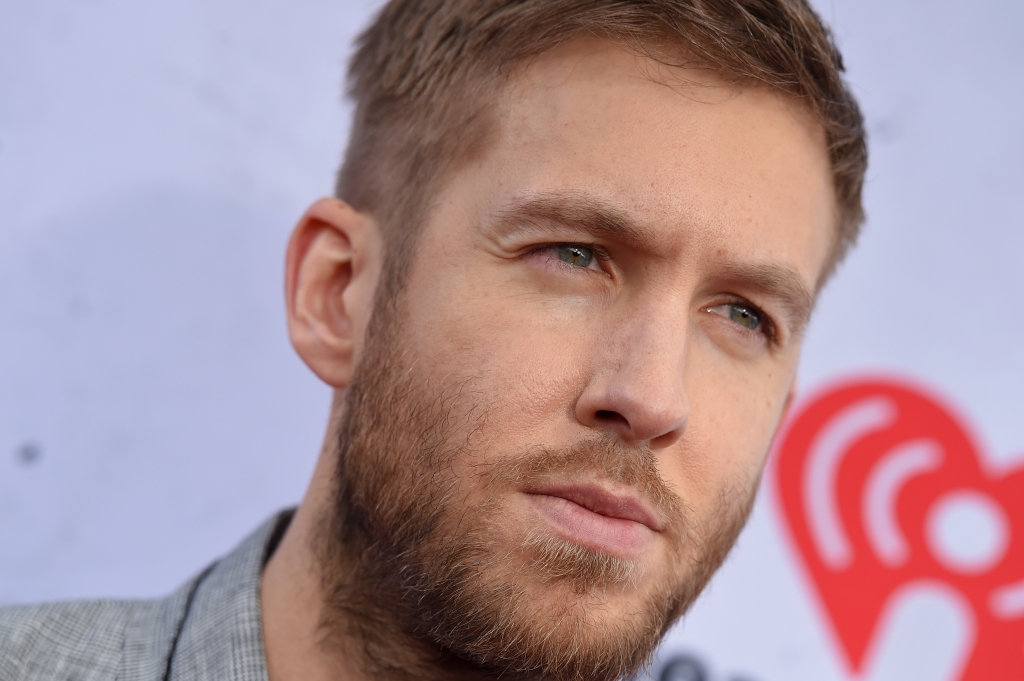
(135, 640)
(80, 640)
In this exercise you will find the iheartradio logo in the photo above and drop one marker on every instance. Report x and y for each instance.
(882, 488)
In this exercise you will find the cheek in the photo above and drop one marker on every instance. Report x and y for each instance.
(734, 412)
(518, 360)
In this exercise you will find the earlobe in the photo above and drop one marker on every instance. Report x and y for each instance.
(333, 263)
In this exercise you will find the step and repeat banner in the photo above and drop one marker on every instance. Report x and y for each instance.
(153, 158)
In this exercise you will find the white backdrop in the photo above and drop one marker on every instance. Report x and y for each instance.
(153, 158)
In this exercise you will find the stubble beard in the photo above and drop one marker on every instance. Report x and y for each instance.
(425, 584)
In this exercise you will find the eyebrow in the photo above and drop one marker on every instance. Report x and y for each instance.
(591, 215)
(576, 212)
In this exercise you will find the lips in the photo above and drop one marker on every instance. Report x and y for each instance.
(598, 518)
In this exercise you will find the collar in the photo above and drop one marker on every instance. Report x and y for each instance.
(213, 624)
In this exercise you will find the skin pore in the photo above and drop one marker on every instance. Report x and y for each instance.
(597, 338)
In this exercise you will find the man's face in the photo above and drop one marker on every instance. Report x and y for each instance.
(595, 344)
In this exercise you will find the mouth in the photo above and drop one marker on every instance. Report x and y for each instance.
(598, 518)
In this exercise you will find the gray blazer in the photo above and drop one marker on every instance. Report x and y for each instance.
(208, 630)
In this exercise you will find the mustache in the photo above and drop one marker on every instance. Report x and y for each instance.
(607, 458)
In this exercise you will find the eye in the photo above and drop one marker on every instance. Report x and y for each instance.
(745, 315)
(575, 254)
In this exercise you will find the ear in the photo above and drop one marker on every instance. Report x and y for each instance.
(333, 264)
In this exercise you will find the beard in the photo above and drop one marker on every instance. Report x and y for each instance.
(419, 567)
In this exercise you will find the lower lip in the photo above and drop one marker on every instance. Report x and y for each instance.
(614, 536)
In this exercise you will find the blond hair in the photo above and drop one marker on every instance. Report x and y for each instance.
(424, 69)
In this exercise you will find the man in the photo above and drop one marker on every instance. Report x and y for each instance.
(560, 299)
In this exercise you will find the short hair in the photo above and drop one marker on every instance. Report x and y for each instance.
(423, 70)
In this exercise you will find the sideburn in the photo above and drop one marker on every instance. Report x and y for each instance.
(379, 508)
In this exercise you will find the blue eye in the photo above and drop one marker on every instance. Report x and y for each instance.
(575, 254)
(745, 316)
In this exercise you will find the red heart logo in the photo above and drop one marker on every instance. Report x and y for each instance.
(881, 486)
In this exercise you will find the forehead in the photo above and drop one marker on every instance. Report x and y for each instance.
(692, 158)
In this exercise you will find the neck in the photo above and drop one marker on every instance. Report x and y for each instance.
(341, 629)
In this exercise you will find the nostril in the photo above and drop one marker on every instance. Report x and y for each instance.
(611, 417)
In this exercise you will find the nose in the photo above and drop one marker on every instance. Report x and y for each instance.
(639, 396)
